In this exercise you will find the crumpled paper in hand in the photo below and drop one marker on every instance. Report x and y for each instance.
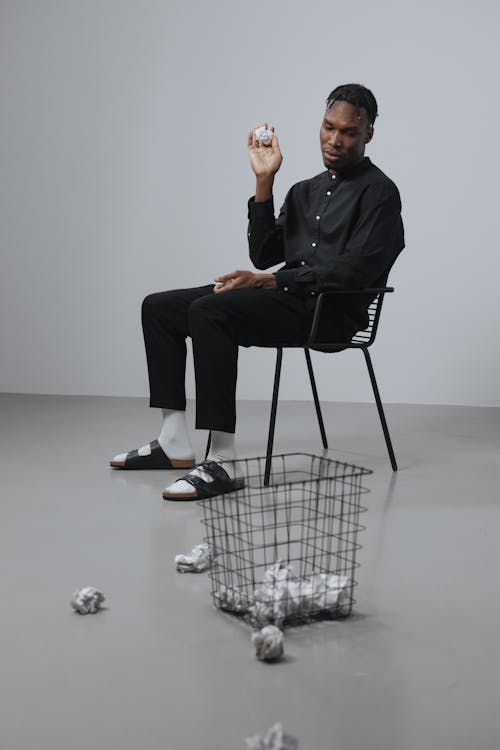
(264, 136)
(87, 601)
(268, 643)
(275, 739)
(199, 560)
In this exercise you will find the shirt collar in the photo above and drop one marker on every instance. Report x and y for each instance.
(352, 171)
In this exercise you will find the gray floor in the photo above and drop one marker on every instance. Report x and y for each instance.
(415, 667)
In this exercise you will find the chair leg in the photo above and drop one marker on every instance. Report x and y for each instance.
(380, 409)
(272, 420)
(209, 443)
(316, 399)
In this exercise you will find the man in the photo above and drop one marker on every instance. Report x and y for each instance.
(340, 229)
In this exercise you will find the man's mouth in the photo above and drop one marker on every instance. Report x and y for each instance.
(332, 154)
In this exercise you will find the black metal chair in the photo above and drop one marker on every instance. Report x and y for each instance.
(361, 340)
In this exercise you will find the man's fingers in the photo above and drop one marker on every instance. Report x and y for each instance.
(235, 280)
(251, 138)
(226, 276)
(227, 286)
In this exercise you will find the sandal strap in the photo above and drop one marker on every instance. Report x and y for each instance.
(157, 459)
(215, 470)
(221, 483)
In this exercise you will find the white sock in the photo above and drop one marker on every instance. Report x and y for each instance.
(222, 449)
(173, 437)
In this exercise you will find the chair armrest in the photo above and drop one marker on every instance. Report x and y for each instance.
(374, 291)
(368, 290)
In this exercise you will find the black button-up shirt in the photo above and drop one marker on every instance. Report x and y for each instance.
(333, 232)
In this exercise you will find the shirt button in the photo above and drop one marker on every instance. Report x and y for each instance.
(333, 176)
(285, 289)
(312, 294)
(328, 192)
(302, 262)
(317, 217)
(313, 244)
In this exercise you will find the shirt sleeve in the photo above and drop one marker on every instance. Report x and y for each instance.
(375, 242)
(265, 234)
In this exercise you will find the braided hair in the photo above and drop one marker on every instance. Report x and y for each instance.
(357, 95)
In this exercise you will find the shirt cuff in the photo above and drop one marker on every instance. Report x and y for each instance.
(260, 210)
(293, 280)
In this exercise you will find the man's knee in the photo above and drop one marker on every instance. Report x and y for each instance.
(158, 302)
(148, 302)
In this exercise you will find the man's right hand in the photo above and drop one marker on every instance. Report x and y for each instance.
(265, 160)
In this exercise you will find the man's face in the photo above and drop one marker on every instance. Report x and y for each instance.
(343, 136)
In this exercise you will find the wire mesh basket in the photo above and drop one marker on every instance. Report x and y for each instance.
(285, 554)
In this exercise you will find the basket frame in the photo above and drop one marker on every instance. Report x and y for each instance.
(307, 517)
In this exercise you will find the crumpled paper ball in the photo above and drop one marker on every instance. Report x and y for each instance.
(264, 136)
(87, 601)
(282, 595)
(232, 599)
(271, 597)
(275, 739)
(199, 560)
(269, 643)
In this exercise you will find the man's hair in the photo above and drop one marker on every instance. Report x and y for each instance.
(358, 95)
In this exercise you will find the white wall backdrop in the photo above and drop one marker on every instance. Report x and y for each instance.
(124, 171)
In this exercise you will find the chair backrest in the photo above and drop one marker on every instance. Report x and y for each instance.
(367, 336)
(361, 339)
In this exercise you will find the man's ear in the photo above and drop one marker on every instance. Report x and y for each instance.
(369, 135)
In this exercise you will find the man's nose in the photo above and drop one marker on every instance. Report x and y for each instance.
(335, 139)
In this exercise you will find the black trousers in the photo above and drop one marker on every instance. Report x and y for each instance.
(217, 324)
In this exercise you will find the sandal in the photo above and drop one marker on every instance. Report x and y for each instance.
(157, 459)
(220, 485)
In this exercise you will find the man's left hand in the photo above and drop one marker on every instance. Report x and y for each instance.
(244, 280)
